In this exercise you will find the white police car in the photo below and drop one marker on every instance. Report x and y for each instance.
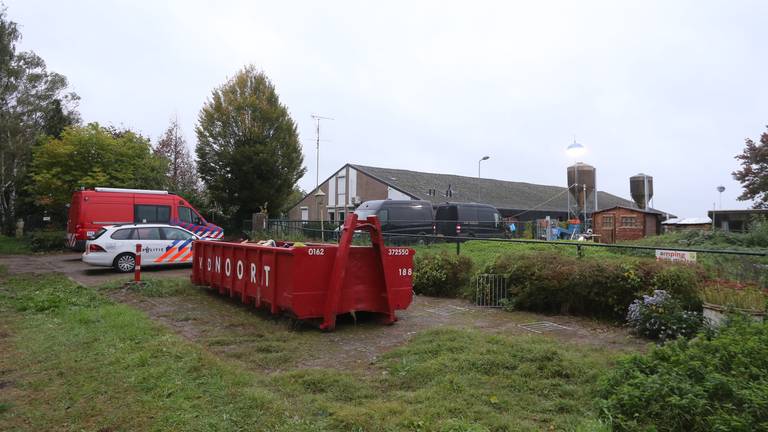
(161, 244)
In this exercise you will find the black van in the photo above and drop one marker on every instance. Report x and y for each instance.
(469, 220)
(400, 216)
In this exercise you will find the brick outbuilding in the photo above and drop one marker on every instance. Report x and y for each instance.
(624, 223)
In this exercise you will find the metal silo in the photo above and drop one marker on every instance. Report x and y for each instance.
(581, 182)
(641, 189)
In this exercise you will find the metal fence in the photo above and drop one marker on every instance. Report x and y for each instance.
(750, 266)
(490, 290)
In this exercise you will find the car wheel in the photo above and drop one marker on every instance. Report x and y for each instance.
(422, 239)
(125, 262)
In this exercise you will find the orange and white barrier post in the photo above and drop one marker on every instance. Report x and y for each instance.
(137, 267)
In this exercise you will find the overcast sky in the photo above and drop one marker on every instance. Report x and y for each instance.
(669, 88)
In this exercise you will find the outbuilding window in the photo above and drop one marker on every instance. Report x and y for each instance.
(628, 221)
(608, 221)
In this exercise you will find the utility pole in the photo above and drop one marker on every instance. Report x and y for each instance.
(319, 195)
(317, 119)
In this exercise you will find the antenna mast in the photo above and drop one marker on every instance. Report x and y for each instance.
(317, 119)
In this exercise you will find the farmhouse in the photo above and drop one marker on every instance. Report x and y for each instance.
(353, 184)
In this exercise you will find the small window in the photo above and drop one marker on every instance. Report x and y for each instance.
(152, 214)
(122, 234)
(176, 234)
(185, 214)
(383, 216)
(149, 233)
(628, 221)
(607, 221)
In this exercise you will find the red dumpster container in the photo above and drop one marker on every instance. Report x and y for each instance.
(315, 281)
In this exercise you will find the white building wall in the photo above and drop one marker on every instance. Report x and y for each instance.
(396, 194)
(352, 189)
(332, 191)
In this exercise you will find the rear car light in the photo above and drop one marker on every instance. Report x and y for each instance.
(95, 248)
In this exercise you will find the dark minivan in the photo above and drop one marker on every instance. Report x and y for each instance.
(469, 220)
(412, 217)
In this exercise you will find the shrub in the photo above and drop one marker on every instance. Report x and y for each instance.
(442, 275)
(682, 282)
(659, 316)
(710, 383)
(46, 241)
(602, 287)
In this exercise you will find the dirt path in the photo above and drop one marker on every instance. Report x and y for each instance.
(230, 329)
(262, 342)
(71, 265)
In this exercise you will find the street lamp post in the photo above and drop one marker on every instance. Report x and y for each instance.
(478, 164)
(721, 189)
(319, 201)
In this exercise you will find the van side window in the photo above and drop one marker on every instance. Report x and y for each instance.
(187, 215)
(152, 213)
(383, 215)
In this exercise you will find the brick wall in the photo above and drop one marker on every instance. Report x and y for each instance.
(620, 224)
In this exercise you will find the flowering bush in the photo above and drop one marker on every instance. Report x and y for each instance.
(660, 316)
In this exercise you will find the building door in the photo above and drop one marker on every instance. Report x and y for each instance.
(608, 228)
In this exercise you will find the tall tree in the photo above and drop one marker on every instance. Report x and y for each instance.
(248, 149)
(91, 156)
(753, 174)
(33, 101)
(182, 174)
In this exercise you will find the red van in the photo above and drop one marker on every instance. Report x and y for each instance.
(99, 207)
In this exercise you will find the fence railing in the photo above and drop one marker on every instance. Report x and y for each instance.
(490, 290)
(739, 265)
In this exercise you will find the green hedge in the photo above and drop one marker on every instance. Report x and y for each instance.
(441, 275)
(715, 383)
(551, 282)
(47, 241)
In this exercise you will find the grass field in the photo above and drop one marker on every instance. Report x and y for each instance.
(75, 360)
(14, 246)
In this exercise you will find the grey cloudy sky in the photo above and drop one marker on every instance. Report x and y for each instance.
(669, 88)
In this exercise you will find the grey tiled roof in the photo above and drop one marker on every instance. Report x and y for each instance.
(502, 194)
